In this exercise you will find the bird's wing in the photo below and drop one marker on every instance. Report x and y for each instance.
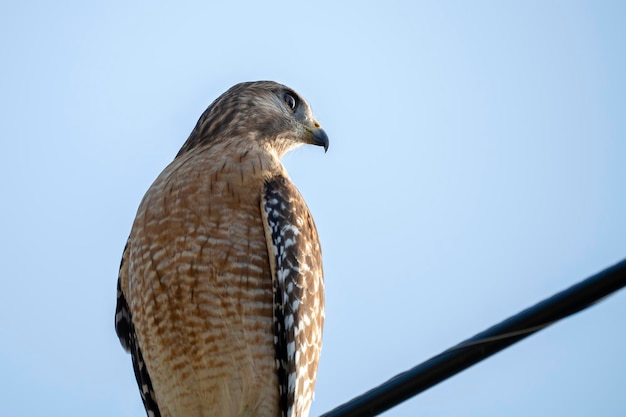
(296, 262)
(126, 333)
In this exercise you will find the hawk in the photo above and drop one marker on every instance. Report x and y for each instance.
(220, 294)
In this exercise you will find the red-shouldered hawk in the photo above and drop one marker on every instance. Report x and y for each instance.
(220, 295)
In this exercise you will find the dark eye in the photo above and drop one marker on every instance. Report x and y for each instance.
(291, 101)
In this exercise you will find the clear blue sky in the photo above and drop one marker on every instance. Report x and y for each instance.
(477, 165)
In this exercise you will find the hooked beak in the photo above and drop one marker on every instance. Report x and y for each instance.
(319, 137)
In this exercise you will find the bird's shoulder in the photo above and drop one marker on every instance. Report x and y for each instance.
(215, 177)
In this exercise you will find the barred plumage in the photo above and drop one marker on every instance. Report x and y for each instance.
(298, 294)
(220, 292)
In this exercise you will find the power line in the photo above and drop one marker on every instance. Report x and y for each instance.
(484, 344)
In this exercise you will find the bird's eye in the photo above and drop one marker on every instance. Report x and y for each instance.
(291, 101)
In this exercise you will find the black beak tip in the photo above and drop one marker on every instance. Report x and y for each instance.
(321, 138)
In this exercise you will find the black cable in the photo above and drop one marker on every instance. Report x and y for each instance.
(473, 350)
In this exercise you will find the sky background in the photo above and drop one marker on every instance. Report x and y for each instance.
(477, 165)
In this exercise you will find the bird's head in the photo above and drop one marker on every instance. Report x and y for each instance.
(264, 111)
